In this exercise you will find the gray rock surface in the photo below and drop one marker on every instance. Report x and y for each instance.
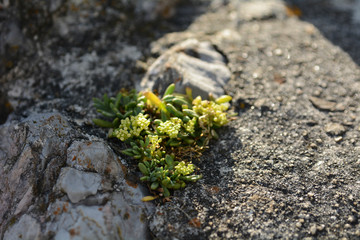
(27, 228)
(287, 167)
(86, 184)
(191, 64)
(44, 196)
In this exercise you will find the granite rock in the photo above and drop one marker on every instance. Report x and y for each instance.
(57, 182)
(26, 228)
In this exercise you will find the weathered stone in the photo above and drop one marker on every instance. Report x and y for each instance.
(94, 156)
(335, 129)
(119, 217)
(34, 178)
(191, 64)
(313, 229)
(86, 183)
(31, 156)
(27, 228)
(326, 105)
(259, 9)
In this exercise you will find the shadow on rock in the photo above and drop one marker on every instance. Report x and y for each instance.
(335, 21)
(189, 213)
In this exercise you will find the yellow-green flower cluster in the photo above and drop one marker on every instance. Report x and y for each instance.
(210, 111)
(190, 125)
(154, 143)
(184, 168)
(171, 127)
(132, 126)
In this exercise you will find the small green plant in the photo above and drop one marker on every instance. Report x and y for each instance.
(163, 134)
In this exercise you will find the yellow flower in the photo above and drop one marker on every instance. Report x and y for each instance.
(210, 112)
(154, 143)
(184, 168)
(190, 125)
(130, 127)
(171, 127)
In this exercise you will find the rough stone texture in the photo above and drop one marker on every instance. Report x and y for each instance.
(27, 228)
(78, 185)
(191, 64)
(335, 129)
(259, 9)
(34, 157)
(85, 155)
(326, 105)
(31, 155)
(275, 172)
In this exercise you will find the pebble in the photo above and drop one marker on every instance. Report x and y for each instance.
(313, 229)
(258, 9)
(278, 52)
(351, 219)
(335, 129)
(347, 226)
(321, 227)
(338, 139)
(313, 145)
(298, 224)
(326, 105)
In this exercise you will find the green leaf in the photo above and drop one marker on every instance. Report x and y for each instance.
(147, 141)
(170, 161)
(171, 109)
(166, 191)
(106, 113)
(128, 152)
(106, 99)
(144, 170)
(154, 185)
(190, 113)
(168, 98)
(116, 123)
(102, 123)
(144, 178)
(177, 186)
(170, 89)
(118, 100)
(142, 143)
(180, 101)
(164, 116)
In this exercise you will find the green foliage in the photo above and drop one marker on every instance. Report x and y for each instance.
(163, 134)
